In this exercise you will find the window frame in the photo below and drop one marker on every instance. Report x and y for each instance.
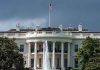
(21, 48)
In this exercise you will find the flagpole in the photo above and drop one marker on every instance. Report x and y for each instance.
(50, 9)
(49, 17)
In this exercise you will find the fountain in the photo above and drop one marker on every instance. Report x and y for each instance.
(46, 61)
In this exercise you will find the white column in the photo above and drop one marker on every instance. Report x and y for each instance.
(43, 54)
(35, 56)
(69, 55)
(53, 57)
(29, 55)
(62, 56)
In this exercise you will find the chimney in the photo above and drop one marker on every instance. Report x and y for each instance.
(80, 27)
(18, 27)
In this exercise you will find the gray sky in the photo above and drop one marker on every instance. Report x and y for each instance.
(35, 12)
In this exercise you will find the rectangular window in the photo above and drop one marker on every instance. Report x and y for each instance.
(32, 48)
(50, 62)
(32, 62)
(65, 62)
(21, 49)
(40, 48)
(50, 45)
(57, 62)
(76, 62)
(76, 48)
(65, 47)
(40, 62)
(58, 47)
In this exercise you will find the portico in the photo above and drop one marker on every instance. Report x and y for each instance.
(58, 52)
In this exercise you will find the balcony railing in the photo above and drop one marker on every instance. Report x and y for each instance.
(57, 51)
(13, 35)
(48, 34)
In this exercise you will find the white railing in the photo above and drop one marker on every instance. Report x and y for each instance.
(13, 35)
(84, 35)
(48, 34)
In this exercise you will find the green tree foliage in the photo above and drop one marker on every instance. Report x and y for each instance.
(89, 55)
(10, 58)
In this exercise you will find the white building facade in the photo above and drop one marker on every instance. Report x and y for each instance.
(62, 45)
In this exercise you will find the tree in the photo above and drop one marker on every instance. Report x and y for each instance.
(10, 58)
(89, 55)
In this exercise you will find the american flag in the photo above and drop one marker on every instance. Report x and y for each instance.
(50, 7)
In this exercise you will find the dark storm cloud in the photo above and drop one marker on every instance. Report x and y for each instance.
(65, 12)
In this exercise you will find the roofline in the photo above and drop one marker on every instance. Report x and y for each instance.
(86, 32)
(27, 31)
(12, 32)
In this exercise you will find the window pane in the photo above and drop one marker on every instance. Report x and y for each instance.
(32, 62)
(21, 48)
(65, 47)
(50, 62)
(32, 48)
(76, 48)
(76, 62)
(40, 48)
(40, 62)
(57, 62)
(65, 63)
(50, 45)
(58, 47)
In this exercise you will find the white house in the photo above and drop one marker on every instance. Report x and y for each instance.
(63, 43)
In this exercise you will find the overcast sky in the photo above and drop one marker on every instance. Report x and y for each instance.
(35, 12)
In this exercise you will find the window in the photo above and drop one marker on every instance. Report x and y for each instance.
(76, 62)
(57, 62)
(40, 48)
(58, 47)
(32, 62)
(50, 46)
(76, 48)
(32, 48)
(40, 62)
(65, 62)
(65, 47)
(50, 62)
(21, 48)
